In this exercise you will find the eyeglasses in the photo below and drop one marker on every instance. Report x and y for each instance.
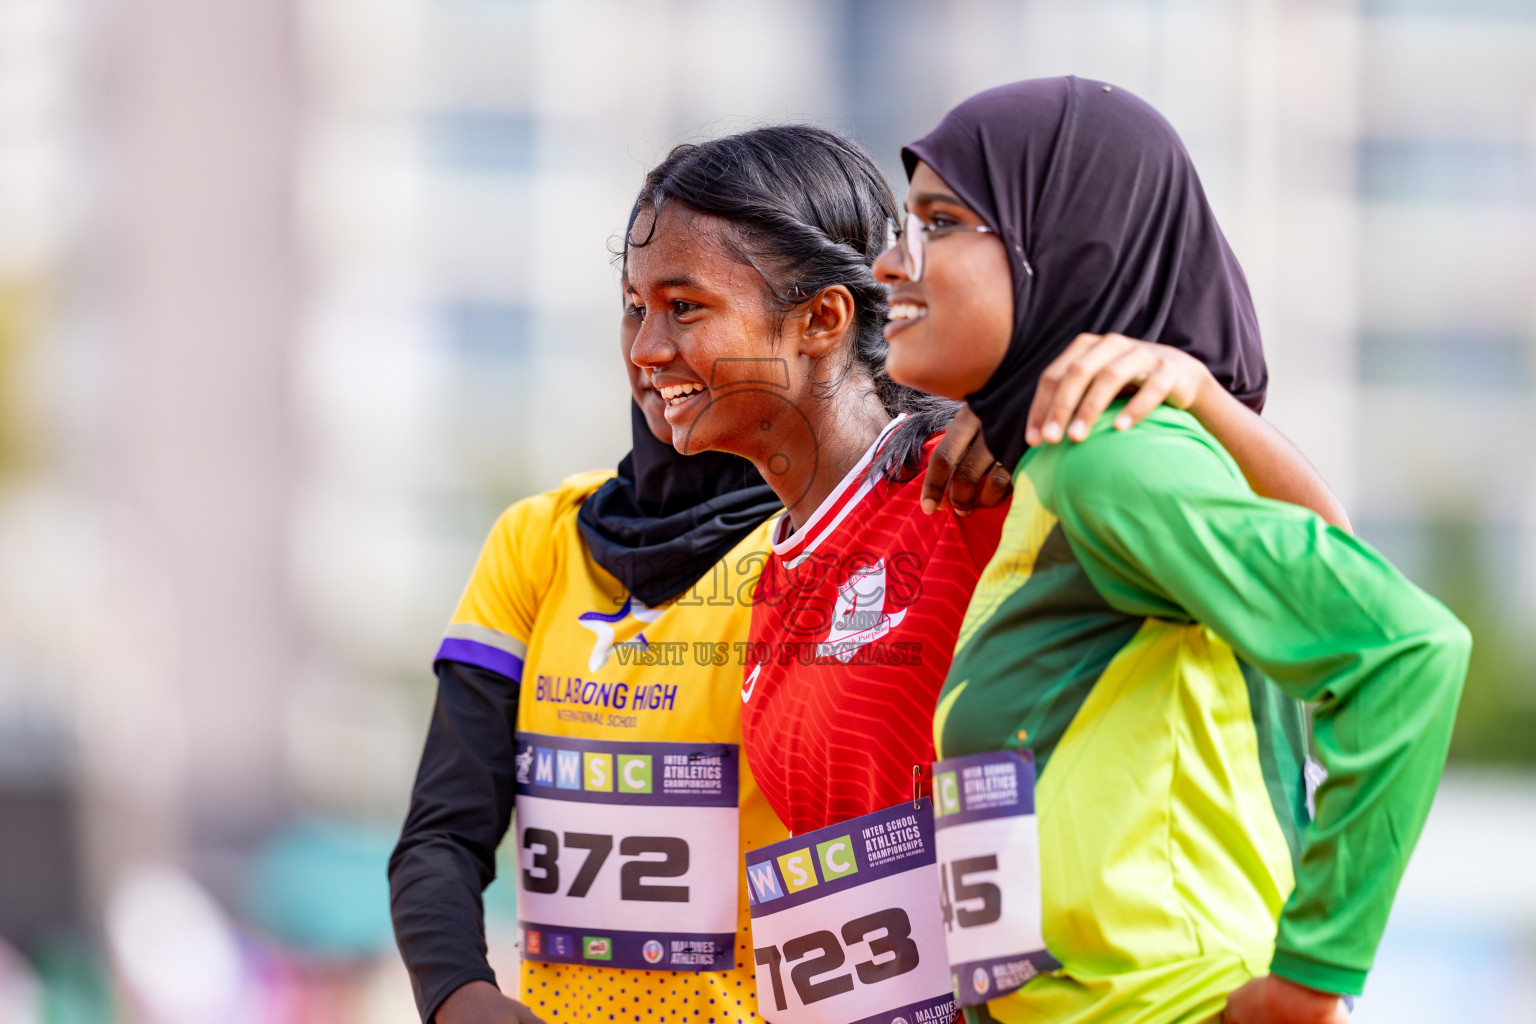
(912, 236)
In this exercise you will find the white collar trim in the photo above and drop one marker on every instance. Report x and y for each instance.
(788, 545)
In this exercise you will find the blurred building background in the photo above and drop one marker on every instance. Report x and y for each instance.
(296, 295)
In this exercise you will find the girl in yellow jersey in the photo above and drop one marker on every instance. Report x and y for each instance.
(588, 677)
(591, 677)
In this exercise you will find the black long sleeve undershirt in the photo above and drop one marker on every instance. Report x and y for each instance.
(461, 806)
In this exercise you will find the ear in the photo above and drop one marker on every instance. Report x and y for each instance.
(829, 316)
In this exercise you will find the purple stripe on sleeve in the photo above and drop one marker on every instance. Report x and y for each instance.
(482, 656)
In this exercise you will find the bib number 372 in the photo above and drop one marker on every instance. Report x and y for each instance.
(543, 872)
(989, 873)
(623, 851)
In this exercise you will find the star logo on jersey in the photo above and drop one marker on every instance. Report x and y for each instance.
(860, 616)
(604, 626)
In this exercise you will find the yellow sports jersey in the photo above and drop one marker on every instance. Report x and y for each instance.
(634, 804)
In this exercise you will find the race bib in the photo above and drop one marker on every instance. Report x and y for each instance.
(846, 925)
(627, 853)
(989, 873)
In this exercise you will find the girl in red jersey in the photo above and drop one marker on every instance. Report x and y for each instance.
(750, 264)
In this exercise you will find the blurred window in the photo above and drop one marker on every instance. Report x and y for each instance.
(483, 142)
(1491, 361)
(1443, 171)
(1454, 8)
(489, 331)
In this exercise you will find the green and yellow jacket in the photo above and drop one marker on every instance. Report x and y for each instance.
(1150, 629)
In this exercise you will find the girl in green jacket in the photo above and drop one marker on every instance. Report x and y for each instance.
(1149, 628)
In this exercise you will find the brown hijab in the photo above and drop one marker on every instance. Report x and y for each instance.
(1107, 229)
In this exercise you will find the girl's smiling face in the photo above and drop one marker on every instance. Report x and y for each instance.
(949, 331)
(732, 371)
(701, 315)
(646, 397)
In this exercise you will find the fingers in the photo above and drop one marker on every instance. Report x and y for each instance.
(947, 454)
(936, 480)
(963, 429)
(995, 487)
(1153, 392)
(973, 475)
(1073, 375)
(1094, 370)
(1050, 380)
(1131, 368)
(968, 476)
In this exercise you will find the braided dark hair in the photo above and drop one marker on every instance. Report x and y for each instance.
(807, 209)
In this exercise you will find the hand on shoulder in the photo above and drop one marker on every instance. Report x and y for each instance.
(1073, 393)
(1080, 383)
(962, 472)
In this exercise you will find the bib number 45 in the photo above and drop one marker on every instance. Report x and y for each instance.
(543, 875)
(955, 889)
(894, 954)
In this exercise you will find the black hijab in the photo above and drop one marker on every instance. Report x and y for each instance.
(1107, 230)
(666, 519)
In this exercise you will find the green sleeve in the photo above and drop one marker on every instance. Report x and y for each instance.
(1164, 525)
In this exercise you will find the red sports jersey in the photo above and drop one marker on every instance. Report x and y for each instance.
(853, 630)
